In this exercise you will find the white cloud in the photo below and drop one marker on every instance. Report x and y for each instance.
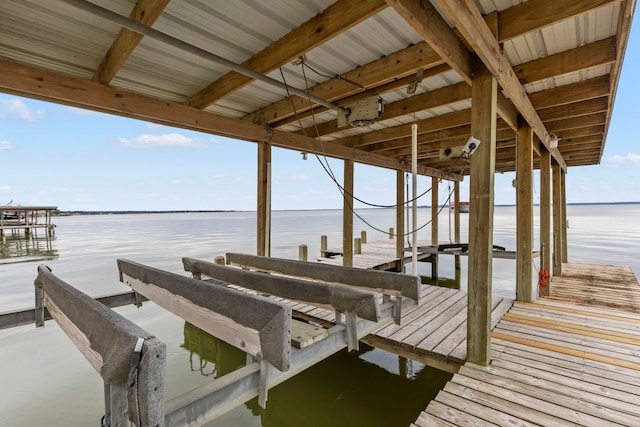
(5, 188)
(15, 107)
(298, 178)
(166, 140)
(5, 145)
(62, 189)
(629, 158)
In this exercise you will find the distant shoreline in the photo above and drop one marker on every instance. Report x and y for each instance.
(129, 212)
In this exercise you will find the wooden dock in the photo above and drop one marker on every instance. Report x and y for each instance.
(433, 333)
(553, 363)
(378, 255)
(27, 218)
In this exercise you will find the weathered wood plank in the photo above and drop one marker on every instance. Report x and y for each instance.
(502, 402)
(303, 334)
(487, 413)
(578, 352)
(543, 391)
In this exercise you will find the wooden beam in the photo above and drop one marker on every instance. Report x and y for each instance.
(431, 124)
(545, 217)
(594, 54)
(483, 127)
(577, 122)
(146, 12)
(577, 109)
(467, 18)
(435, 98)
(568, 94)
(347, 215)
(396, 136)
(47, 86)
(534, 15)
(329, 127)
(524, 214)
(336, 19)
(426, 21)
(367, 77)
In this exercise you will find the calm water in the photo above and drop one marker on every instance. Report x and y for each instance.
(46, 380)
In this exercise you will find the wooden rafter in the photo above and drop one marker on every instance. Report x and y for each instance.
(533, 15)
(145, 12)
(594, 54)
(369, 76)
(336, 19)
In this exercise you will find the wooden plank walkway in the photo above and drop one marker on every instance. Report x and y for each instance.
(553, 363)
(434, 333)
(598, 285)
(378, 255)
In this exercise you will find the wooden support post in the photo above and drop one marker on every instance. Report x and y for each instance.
(264, 204)
(363, 236)
(302, 253)
(347, 215)
(557, 220)
(563, 205)
(219, 260)
(456, 218)
(357, 245)
(400, 217)
(434, 226)
(323, 246)
(524, 213)
(545, 215)
(484, 91)
(391, 232)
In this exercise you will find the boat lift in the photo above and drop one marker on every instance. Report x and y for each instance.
(248, 307)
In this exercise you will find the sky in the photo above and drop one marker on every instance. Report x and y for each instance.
(75, 159)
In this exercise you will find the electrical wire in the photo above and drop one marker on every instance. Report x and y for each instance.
(331, 174)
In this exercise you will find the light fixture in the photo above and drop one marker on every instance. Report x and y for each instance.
(304, 156)
(471, 145)
(553, 140)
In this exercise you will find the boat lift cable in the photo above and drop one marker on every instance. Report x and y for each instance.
(194, 50)
(325, 165)
(331, 175)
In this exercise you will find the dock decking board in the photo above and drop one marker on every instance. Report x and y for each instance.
(554, 363)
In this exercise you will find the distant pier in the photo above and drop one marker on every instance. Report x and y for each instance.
(16, 219)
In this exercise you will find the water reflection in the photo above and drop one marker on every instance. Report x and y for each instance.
(445, 282)
(16, 248)
(369, 387)
(209, 355)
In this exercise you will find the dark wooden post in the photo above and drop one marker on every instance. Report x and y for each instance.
(347, 215)
(264, 204)
(483, 127)
(545, 214)
(524, 215)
